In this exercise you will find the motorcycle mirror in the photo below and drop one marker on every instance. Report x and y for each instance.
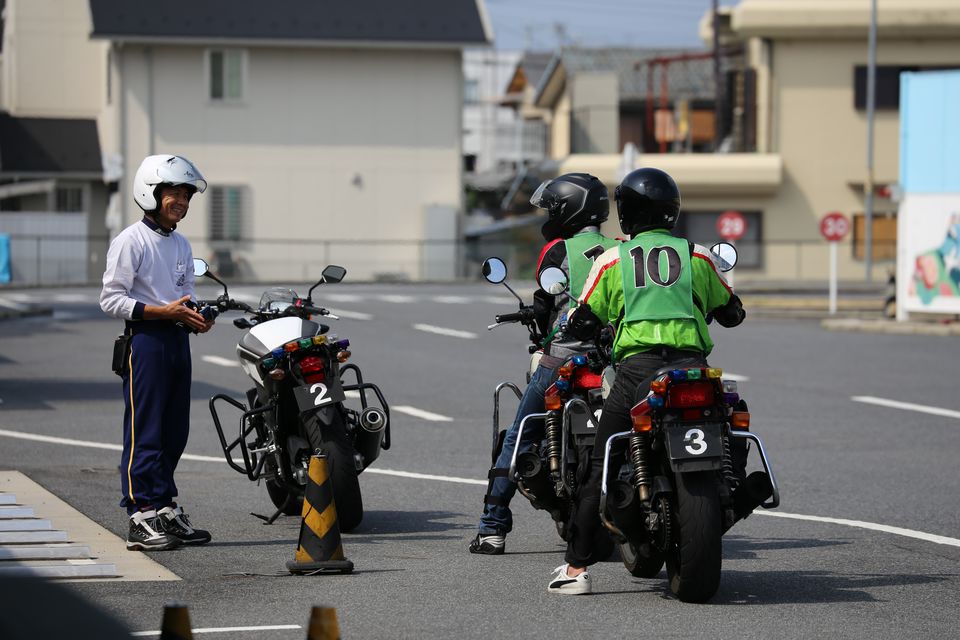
(200, 267)
(333, 273)
(494, 270)
(553, 280)
(725, 255)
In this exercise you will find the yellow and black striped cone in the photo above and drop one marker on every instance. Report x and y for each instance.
(319, 548)
(323, 624)
(176, 623)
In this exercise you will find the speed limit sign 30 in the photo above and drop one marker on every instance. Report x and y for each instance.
(834, 226)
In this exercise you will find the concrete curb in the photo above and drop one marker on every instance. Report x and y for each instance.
(892, 326)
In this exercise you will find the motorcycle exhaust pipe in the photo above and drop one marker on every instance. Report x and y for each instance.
(623, 507)
(373, 419)
(535, 481)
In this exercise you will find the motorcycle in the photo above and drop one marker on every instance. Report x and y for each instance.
(296, 406)
(679, 475)
(547, 475)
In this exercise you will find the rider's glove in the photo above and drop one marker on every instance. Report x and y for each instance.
(583, 323)
(730, 314)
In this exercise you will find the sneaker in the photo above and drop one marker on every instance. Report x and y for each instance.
(572, 586)
(176, 523)
(488, 545)
(147, 534)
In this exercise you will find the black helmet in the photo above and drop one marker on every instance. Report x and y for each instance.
(573, 201)
(646, 199)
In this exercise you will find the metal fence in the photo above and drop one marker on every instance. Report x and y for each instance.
(52, 260)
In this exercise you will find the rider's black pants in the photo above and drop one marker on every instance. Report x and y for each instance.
(588, 542)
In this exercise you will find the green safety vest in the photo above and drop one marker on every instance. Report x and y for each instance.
(582, 250)
(657, 279)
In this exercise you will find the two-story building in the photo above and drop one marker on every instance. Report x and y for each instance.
(328, 132)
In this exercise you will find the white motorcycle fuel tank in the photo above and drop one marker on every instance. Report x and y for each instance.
(263, 338)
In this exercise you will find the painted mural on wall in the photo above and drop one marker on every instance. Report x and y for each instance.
(937, 270)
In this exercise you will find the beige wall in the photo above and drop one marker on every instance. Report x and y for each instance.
(310, 122)
(50, 66)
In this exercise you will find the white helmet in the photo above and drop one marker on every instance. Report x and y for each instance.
(163, 169)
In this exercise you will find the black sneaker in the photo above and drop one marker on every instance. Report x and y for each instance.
(176, 523)
(488, 545)
(147, 534)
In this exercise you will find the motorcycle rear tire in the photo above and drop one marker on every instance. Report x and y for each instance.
(646, 565)
(693, 563)
(340, 467)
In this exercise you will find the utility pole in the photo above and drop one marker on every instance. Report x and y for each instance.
(718, 85)
(868, 183)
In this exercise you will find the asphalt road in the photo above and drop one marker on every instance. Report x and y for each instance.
(796, 577)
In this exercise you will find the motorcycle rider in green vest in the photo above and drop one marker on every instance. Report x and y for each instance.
(659, 292)
(576, 205)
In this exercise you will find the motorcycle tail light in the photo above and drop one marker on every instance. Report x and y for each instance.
(312, 369)
(740, 420)
(691, 414)
(691, 394)
(586, 379)
(551, 398)
(641, 418)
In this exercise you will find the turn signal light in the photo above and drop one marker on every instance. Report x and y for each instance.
(640, 415)
(740, 420)
(566, 370)
(291, 346)
(552, 400)
(659, 386)
(343, 356)
(277, 374)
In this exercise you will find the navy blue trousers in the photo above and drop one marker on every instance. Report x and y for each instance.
(156, 418)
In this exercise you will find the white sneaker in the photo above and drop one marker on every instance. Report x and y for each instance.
(572, 586)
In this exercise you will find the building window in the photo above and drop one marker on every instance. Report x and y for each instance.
(884, 239)
(228, 213)
(226, 67)
(69, 198)
(887, 94)
(471, 91)
(701, 227)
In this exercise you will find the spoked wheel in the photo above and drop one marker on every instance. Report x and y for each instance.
(693, 563)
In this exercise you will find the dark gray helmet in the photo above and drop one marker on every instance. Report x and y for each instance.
(573, 201)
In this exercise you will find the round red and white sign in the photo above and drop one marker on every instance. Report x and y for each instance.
(731, 225)
(834, 226)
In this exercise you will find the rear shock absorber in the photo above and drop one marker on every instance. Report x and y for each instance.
(553, 428)
(726, 465)
(642, 476)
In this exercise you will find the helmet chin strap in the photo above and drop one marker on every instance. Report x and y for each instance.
(156, 220)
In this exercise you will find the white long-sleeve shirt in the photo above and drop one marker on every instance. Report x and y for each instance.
(145, 265)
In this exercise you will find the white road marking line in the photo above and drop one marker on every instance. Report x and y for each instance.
(883, 402)
(73, 297)
(20, 297)
(734, 376)
(271, 627)
(10, 304)
(223, 362)
(908, 533)
(498, 299)
(451, 299)
(455, 333)
(420, 413)
(425, 476)
(342, 297)
(395, 298)
(350, 315)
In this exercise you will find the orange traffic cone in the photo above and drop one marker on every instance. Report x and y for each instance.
(176, 623)
(319, 548)
(323, 624)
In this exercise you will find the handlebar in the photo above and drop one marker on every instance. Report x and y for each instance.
(524, 315)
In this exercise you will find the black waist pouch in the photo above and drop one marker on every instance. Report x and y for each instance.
(121, 353)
